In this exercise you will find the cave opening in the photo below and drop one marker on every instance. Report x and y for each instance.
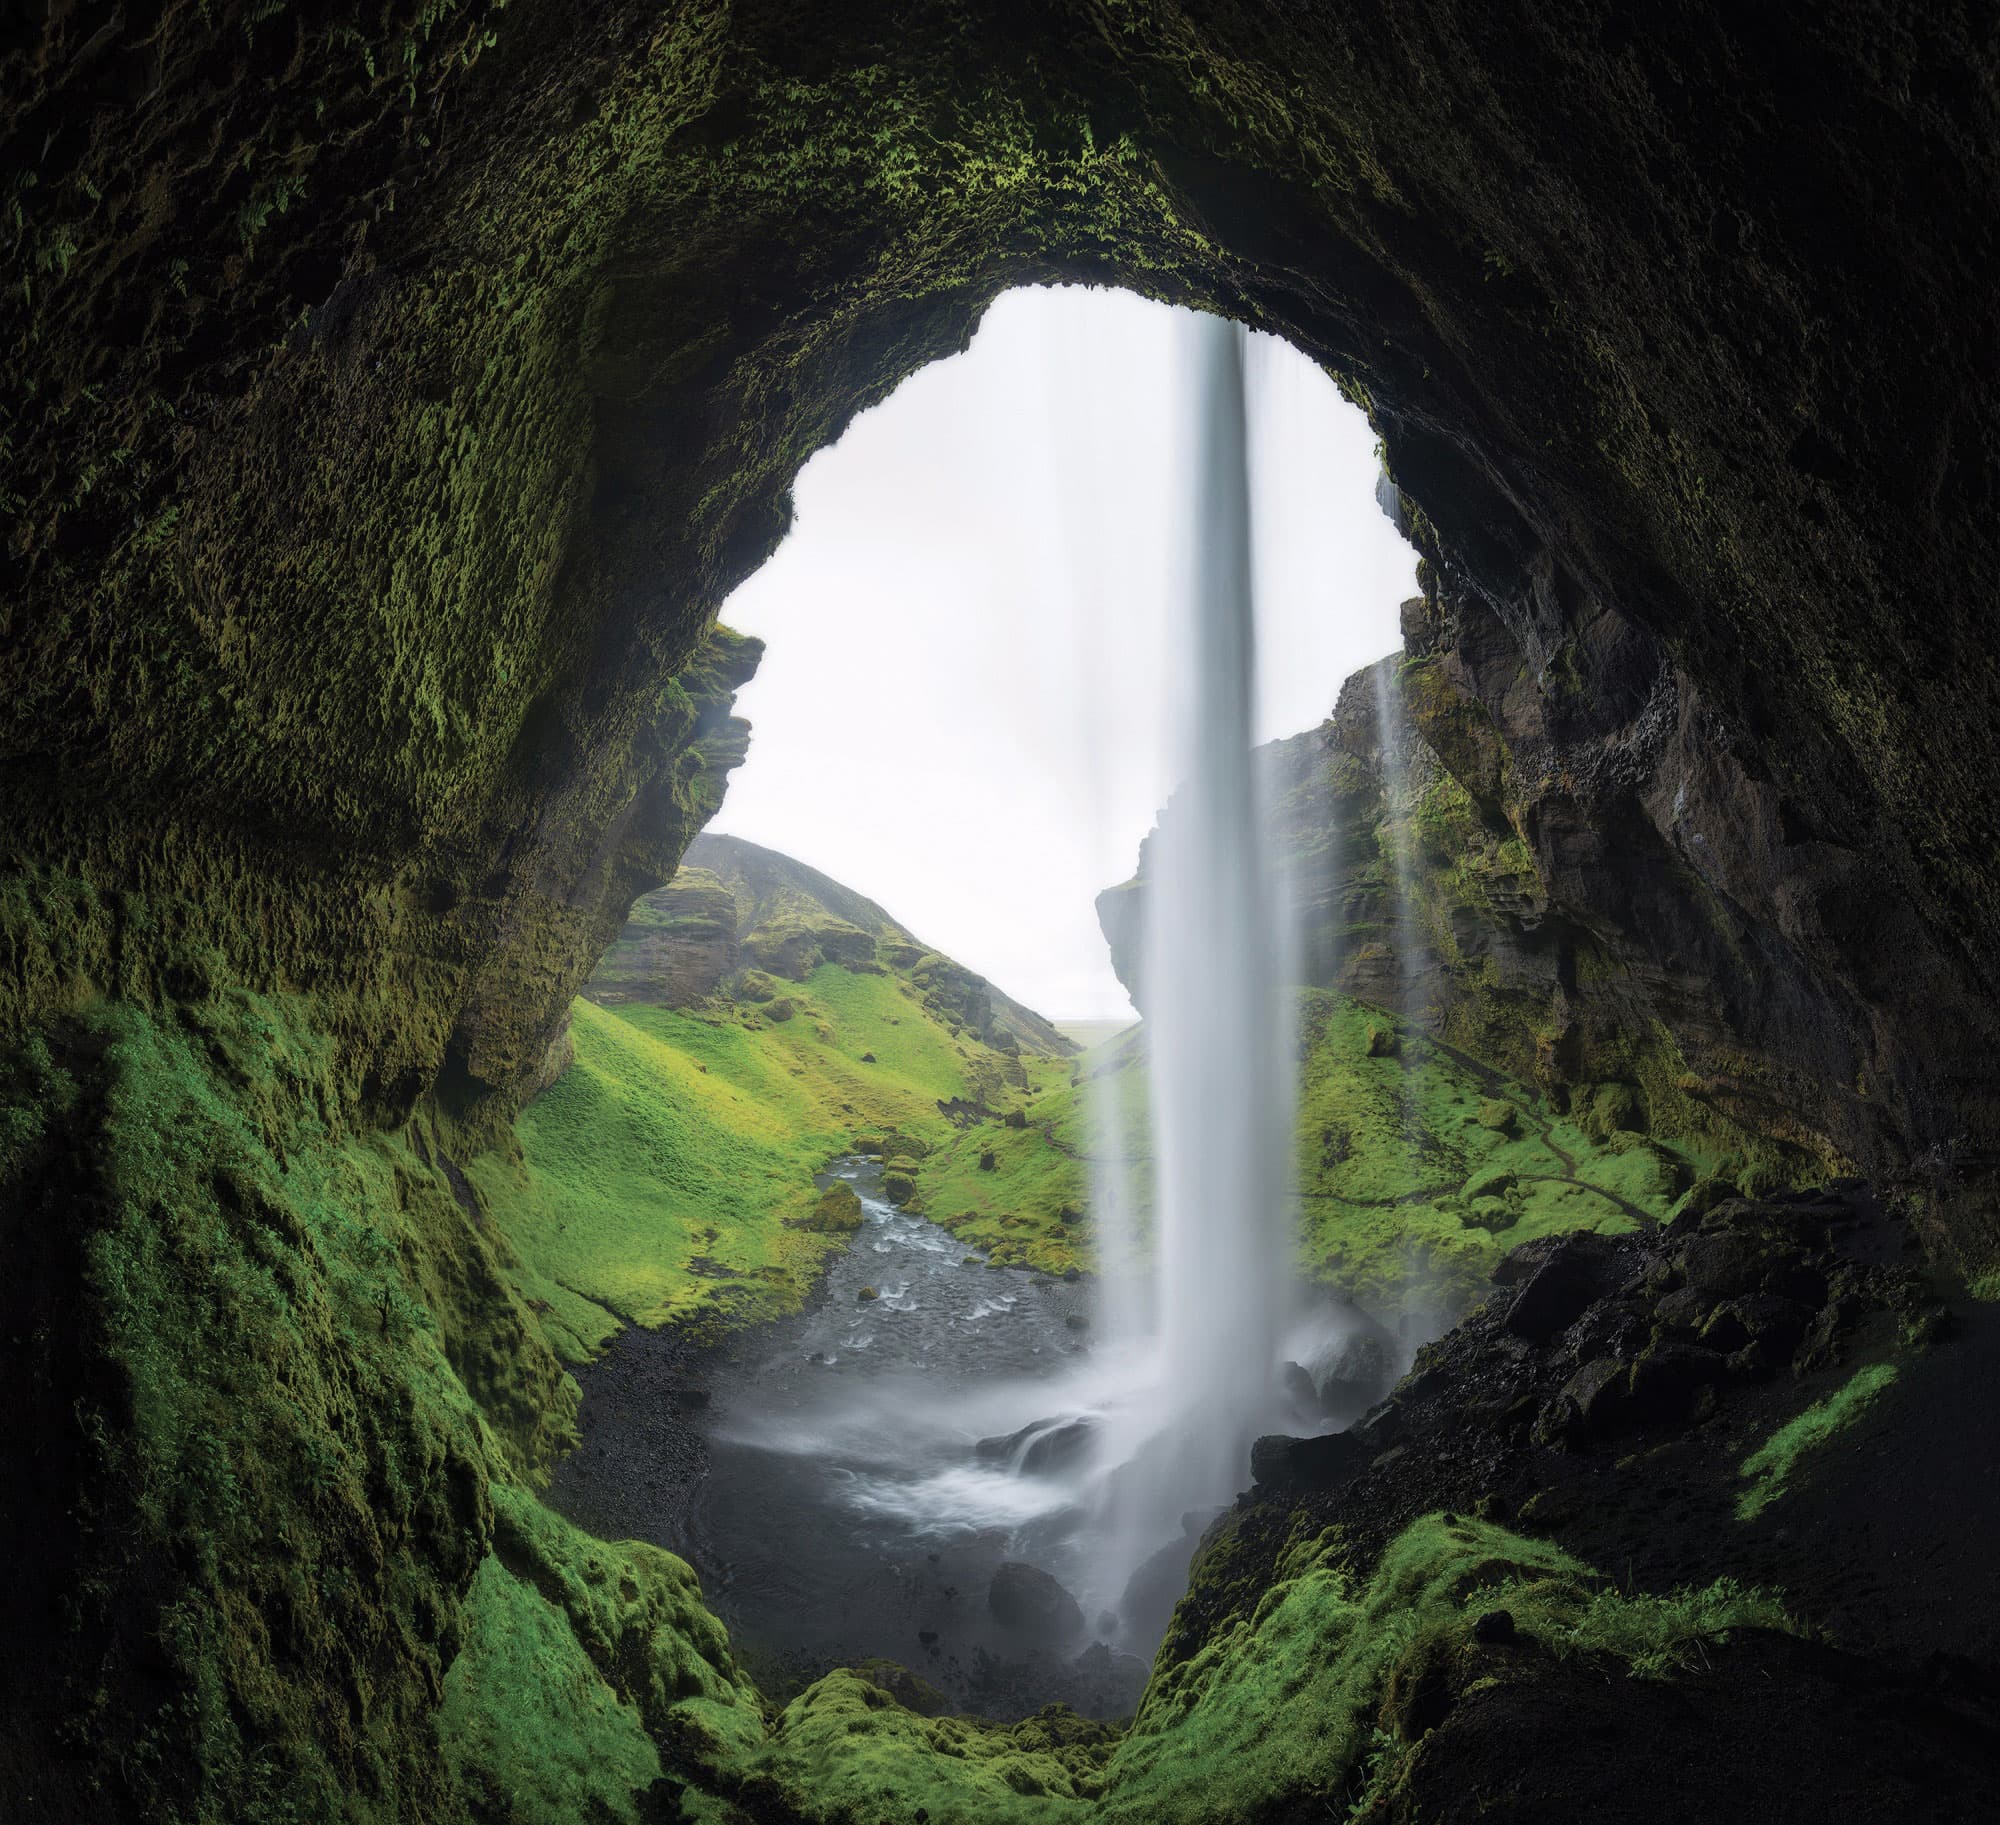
(395, 394)
(974, 664)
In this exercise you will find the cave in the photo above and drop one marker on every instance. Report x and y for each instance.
(396, 392)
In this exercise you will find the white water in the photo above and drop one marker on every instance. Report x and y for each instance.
(1202, 1361)
(928, 1414)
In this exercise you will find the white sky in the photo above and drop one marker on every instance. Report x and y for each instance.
(964, 710)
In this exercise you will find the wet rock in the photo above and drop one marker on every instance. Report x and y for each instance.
(1147, 1605)
(1767, 1318)
(898, 1187)
(1721, 1265)
(866, 1294)
(1025, 1597)
(1608, 1327)
(1042, 1446)
(1279, 1461)
(1355, 1372)
(1296, 1385)
(1684, 1311)
(1592, 1400)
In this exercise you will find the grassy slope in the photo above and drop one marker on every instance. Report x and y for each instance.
(1406, 1197)
(661, 1175)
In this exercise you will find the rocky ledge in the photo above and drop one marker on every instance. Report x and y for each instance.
(1658, 1404)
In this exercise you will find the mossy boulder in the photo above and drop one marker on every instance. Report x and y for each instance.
(1498, 1115)
(838, 1212)
(898, 1187)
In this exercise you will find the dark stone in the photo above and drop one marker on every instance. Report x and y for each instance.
(1015, 1118)
(1494, 1629)
(1306, 1463)
(1667, 1379)
(1720, 1265)
(1558, 1292)
(1040, 1447)
(988, 1162)
(1025, 1597)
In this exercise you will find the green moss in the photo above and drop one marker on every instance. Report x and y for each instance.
(1770, 1466)
(1301, 1697)
(1416, 1174)
(667, 1175)
(313, 1406)
(529, 1731)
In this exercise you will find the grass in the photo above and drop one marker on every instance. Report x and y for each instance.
(1407, 1198)
(665, 1176)
(1770, 1466)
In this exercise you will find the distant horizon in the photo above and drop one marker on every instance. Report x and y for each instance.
(965, 708)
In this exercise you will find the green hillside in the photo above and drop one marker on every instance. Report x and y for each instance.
(667, 1174)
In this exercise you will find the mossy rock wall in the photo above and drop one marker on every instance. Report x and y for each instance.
(395, 395)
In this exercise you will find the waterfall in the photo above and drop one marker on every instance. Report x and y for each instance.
(1218, 1041)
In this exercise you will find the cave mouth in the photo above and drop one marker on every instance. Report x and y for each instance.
(398, 403)
(870, 1480)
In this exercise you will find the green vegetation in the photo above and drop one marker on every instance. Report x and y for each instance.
(303, 1392)
(667, 1176)
(1306, 1693)
(1770, 1466)
(1417, 1167)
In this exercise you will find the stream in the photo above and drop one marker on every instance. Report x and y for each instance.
(825, 1476)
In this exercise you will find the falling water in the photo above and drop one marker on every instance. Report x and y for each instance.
(1217, 1040)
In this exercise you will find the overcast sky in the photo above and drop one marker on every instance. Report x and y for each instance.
(964, 707)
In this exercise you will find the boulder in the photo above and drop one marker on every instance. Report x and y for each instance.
(1277, 1461)
(1041, 1446)
(838, 1212)
(1571, 1277)
(1668, 1380)
(1355, 1373)
(1499, 1116)
(866, 1294)
(1025, 1597)
(898, 1187)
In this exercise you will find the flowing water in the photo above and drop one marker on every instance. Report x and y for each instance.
(852, 1483)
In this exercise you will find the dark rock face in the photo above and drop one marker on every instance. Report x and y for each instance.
(1025, 1597)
